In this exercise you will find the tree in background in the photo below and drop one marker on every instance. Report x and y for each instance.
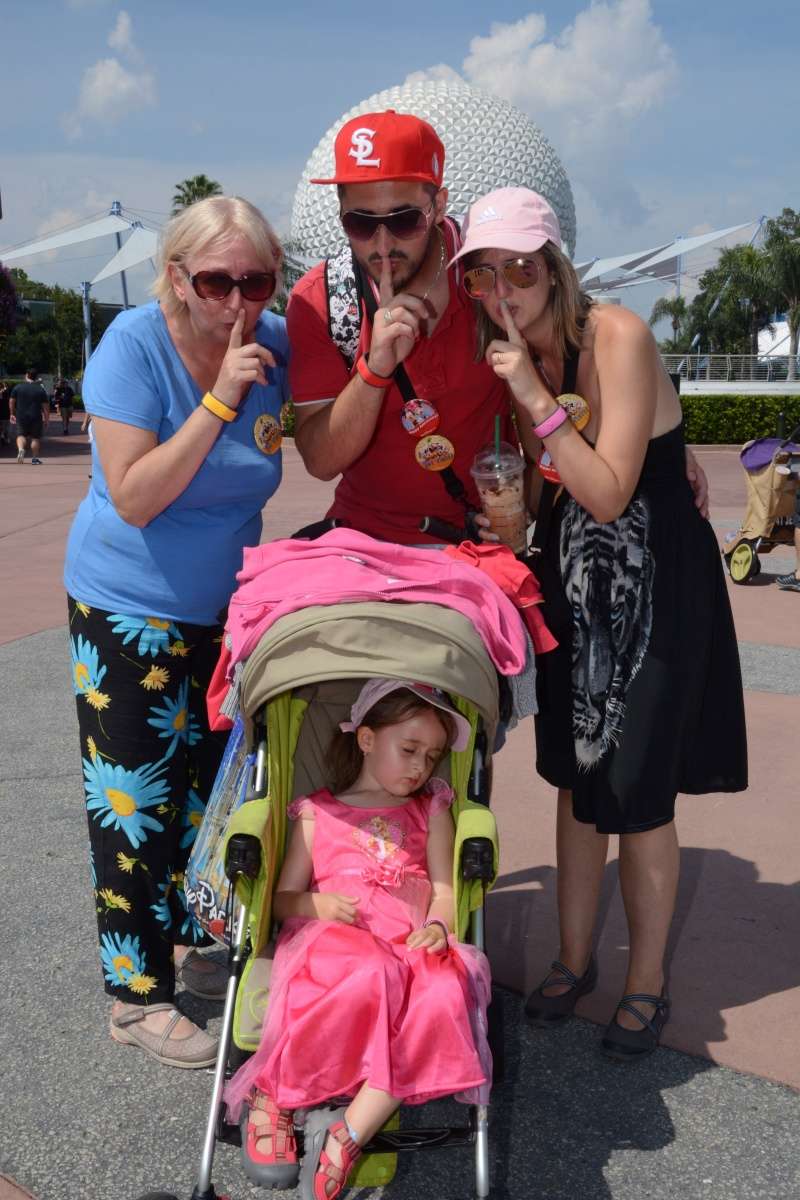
(8, 302)
(189, 191)
(675, 310)
(51, 338)
(782, 267)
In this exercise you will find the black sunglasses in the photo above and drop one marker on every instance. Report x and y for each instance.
(403, 223)
(479, 282)
(216, 285)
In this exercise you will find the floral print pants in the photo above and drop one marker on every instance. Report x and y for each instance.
(149, 762)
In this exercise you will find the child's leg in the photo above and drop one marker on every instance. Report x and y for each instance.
(368, 1112)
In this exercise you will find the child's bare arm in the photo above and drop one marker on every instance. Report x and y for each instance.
(441, 839)
(292, 897)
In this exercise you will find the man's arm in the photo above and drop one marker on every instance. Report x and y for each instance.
(331, 434)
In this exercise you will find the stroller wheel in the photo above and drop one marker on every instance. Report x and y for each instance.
(743, 562)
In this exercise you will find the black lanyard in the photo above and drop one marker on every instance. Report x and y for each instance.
(455, 488)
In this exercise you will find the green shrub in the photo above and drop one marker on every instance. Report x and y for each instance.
(731, 420)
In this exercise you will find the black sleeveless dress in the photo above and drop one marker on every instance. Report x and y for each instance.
(643, 697)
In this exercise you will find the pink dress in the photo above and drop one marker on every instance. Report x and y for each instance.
(350, 1003)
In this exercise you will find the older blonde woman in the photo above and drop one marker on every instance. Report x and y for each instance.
(185, 396)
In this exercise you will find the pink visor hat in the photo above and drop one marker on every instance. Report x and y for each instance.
(375, 689)
(510, 218)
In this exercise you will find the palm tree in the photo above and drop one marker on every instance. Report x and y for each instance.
(675, 310)
(782, 265)
(188, 191)
(749, 279)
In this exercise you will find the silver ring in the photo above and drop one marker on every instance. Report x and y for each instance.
(387, 316)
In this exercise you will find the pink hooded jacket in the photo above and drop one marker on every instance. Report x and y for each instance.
(344, 565)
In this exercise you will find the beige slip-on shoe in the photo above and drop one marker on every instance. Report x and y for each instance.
(199, 1049)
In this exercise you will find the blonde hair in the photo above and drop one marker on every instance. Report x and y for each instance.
(213, 221)
(570, 304)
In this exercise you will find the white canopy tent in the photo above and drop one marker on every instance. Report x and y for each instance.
(139, 247)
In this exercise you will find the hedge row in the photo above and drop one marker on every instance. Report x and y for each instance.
(731, 420)
(710, 420)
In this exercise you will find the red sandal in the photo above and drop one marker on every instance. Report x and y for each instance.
(279, 1167)
(321, 1178)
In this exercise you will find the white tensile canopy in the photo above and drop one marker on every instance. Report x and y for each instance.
(140, 247)
(680, 262)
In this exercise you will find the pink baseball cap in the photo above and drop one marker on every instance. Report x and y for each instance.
(375, 689)
(510, 218)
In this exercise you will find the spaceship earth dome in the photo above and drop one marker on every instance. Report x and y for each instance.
(488, 144)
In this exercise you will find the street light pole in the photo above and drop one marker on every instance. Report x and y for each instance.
(87, 323)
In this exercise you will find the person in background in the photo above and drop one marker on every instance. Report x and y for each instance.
(63, 396)
(5, 413)
(30, 411)
(184, 396)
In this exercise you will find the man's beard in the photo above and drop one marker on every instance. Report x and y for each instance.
(412, 266)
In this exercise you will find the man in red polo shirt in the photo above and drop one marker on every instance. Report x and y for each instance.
(354, 420)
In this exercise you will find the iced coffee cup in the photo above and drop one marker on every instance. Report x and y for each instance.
(498, 475)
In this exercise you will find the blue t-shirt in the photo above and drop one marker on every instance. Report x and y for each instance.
(183, 564)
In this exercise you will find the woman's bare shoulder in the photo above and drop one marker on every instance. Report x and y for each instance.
(612, 323)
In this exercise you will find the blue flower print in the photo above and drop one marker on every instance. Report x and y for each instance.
(175, 721)
(120, 795)
(161, 906)
(193, 814)
(122, 957)
(153, 632)
(86, 670)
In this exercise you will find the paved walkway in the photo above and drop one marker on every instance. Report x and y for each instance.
(85, 1118)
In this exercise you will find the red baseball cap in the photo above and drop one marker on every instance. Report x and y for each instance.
(387, 145)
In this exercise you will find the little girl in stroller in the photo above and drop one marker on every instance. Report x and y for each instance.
(370, 996)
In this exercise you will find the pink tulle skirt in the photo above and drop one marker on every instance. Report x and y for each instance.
(347, 1007)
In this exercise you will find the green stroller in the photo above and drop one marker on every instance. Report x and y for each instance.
(296, 686)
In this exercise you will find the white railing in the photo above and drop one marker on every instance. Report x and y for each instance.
(731, 368)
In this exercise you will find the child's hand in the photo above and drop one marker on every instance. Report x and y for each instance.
(430, 937)
(333, 906)
(485, 529)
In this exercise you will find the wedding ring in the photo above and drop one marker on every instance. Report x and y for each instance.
(387, 316)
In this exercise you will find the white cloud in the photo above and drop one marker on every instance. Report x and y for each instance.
(587, 87)
(121, 36)
(110, 91)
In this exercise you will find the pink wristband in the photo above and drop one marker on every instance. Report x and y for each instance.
(552, 423)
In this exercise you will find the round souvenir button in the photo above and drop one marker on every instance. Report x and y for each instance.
(578, 409)
(267, 433)
(419, 417)
(435, 453)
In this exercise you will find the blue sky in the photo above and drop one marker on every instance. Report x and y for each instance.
(671, 117)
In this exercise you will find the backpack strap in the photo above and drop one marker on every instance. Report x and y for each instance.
(344, 304)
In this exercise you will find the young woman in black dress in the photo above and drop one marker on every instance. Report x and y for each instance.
(643, 697)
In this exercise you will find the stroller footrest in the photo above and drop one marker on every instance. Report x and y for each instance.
(395, 1140)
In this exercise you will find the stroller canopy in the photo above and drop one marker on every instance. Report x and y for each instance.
(351, 642)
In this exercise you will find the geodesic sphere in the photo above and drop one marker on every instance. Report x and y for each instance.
(488, 144)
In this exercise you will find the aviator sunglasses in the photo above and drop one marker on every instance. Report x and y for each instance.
(403, 223)
(479, 282)
(216, 285)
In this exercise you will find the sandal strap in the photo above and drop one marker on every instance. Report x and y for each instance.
(558, 968)
(140, 1012)
(660, 1003)
(328, 1169)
